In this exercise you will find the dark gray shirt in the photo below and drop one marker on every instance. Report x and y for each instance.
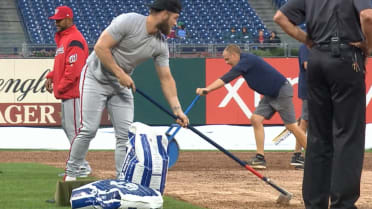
(324, 18)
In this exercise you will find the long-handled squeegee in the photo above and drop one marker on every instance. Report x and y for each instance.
(284, 196)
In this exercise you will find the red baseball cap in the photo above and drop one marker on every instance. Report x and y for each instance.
(62, 12)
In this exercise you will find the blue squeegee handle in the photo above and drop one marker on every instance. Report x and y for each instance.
(178, 126)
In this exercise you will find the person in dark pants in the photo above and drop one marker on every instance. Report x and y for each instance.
(302, 94)
(303, 55)
(339, 34)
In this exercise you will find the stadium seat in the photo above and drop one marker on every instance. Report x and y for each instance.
(206, 20)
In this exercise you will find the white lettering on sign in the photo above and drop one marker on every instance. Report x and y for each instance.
(18, 116)
(257, 98)
(233, 94)
(293, 81)
(46, 111)
(369, 95)
(27, 114)
(30, 113)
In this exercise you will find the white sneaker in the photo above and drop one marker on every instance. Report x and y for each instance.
(69, 178)
(84, 170)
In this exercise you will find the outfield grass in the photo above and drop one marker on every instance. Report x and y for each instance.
(29, 185)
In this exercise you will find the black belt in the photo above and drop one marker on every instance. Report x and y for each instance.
(327, 47)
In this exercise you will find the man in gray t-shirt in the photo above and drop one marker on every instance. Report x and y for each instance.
(106, 79)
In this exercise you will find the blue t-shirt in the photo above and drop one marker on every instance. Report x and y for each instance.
(302, 86)
(259, 75)
(181, 33)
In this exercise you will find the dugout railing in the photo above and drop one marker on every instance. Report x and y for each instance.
(175, 50)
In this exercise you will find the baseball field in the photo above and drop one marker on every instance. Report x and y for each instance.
(210, 179)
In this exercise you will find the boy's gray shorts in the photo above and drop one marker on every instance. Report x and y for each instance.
(282, 104)
(305, 110)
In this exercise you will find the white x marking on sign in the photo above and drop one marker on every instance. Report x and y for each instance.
(233, 94)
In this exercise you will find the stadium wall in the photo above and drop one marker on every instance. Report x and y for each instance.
(24, 100)
(235, 103)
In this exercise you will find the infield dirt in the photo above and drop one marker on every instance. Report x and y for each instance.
(211, 179)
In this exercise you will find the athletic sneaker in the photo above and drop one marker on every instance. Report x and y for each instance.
(299, 167)
(84, 170)
(297, 160)
(69, 178)
(257, 161)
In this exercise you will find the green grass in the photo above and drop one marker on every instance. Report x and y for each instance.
(171, 203)
(42, 150)
(29, 185)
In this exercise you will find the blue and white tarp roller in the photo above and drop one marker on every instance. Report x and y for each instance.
(114, 194)
(146, 161)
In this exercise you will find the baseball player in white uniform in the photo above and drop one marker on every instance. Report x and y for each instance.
(106, 80)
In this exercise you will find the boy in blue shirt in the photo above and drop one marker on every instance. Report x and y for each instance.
(264, 79)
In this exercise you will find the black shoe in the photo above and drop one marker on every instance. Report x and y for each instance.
(257, 161)
(299, 167)
(297, 160)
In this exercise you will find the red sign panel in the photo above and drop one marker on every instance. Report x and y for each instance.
(235, 102)
(35, 114)
(25, 114)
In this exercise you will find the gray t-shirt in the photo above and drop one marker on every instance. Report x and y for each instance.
(134, 46)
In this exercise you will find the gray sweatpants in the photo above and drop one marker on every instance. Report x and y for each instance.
(70, 120)
(70, 116)
(94, 97)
